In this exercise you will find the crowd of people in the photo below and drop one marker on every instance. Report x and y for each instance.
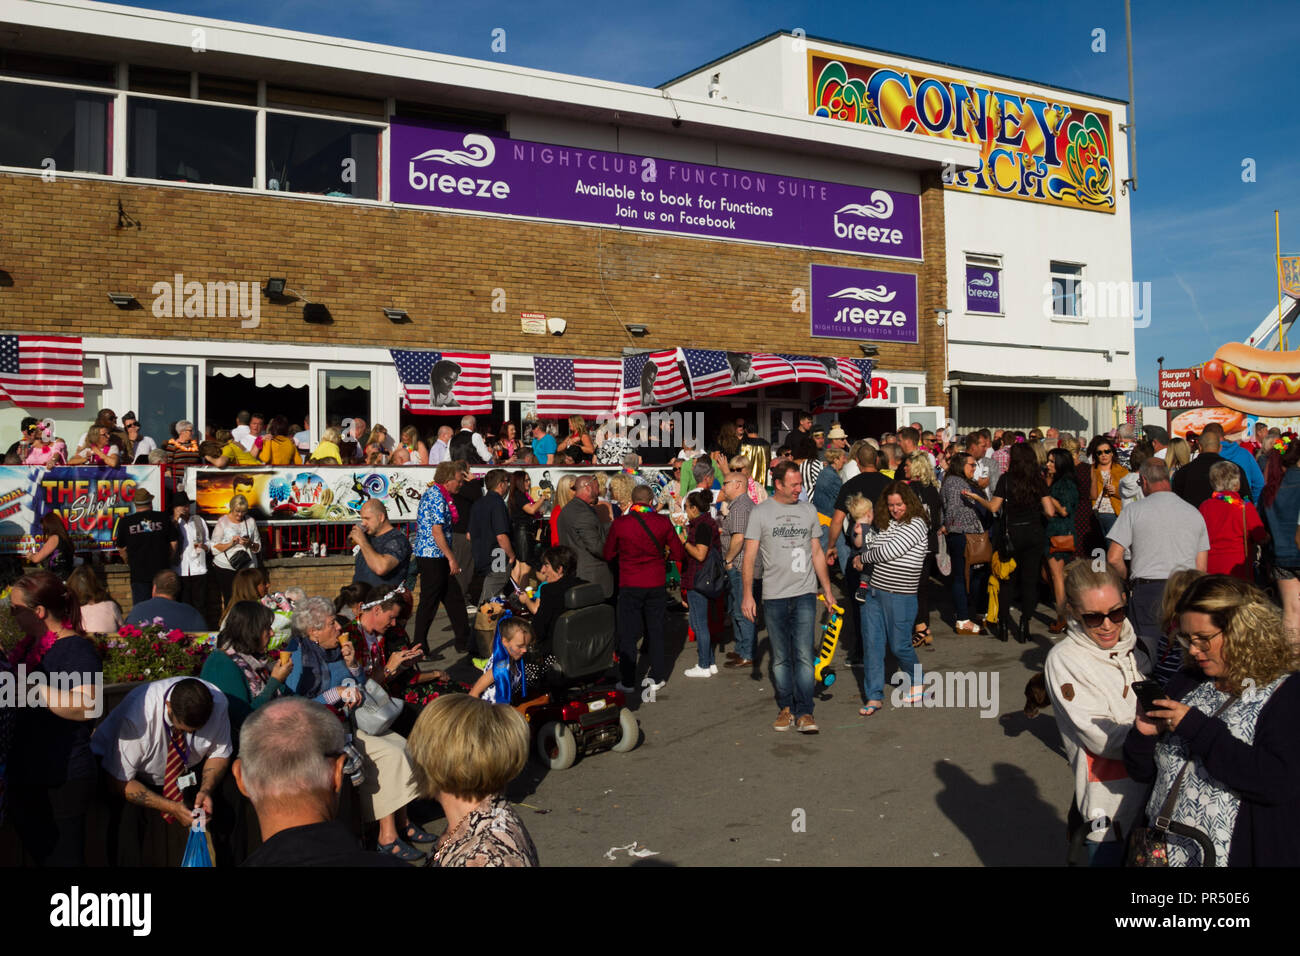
(1171, 568)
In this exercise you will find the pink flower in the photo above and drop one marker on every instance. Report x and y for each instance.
(176, 636)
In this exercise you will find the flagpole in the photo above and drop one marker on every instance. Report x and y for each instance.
(1277, 239)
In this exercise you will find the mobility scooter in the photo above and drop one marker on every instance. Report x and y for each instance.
(582, 712)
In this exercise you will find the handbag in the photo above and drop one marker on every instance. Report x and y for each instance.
(377, 711)
(240, 557)
(979, 550)
(1147, 846)
(942, 560)
(1061, 544)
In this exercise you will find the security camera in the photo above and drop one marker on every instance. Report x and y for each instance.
(947, 389)
(556, 326)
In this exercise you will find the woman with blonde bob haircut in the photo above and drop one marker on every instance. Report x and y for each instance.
(465, 752)
(1089, 675)
(1222, 739)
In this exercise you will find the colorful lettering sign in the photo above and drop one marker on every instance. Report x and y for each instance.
(89, 500)
(863, 304)
(1289, 269)
(474, 171)
(983, 289)
(1182, 388)
(1030, 148)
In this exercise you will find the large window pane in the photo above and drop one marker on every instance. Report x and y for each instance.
(68, 126)
(321, 156)
(185, 142)
(342, 394)
(168, 394)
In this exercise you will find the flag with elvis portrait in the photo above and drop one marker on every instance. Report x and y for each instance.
(716, 372)
(653, 380)
(852, 386)
(444, 383)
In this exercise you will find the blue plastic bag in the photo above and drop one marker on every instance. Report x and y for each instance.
(197, 851)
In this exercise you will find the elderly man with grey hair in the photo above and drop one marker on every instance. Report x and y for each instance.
(1161, 534)
(290, 766)
(383, 552)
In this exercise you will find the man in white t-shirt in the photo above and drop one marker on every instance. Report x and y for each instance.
(784, 533)
(1159, 439)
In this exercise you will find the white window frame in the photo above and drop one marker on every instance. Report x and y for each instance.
(1077, 317)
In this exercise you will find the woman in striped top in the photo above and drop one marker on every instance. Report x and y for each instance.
(895, 547)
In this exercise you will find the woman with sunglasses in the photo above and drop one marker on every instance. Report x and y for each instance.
(1107, 473)
(1089, 674)
(1222, 739)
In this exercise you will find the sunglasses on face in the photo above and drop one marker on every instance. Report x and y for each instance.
(1094, 618)
(1105, 451)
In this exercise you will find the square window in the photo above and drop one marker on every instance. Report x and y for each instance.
(984, 284)
(190, 143)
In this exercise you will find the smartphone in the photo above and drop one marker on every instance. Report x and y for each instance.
(1148, 692)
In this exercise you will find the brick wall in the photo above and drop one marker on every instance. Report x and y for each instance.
(317, 576)
(65, 252)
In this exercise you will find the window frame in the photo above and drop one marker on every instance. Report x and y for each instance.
(1078, 317)
(991, 262)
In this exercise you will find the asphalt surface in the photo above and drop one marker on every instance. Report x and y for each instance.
(711, 783)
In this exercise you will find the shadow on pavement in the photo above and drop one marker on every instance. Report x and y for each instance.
(1006, 821)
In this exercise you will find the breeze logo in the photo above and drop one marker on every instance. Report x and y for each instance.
(982, 287)
(198, 300)
(881, 206)
(858, 316)
(76, 909)
(479, 152)
(952, 689)
(18, 688)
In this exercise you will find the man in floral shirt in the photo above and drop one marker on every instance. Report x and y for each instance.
(434, 557)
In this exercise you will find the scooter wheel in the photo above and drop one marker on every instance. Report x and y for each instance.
(828, 679)
(630, 732)
(556, 748)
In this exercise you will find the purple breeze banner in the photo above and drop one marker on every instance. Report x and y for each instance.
(983, 289)
(863, 304)
(470, 170)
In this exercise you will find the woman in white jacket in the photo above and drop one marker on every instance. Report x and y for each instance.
(1088, 675)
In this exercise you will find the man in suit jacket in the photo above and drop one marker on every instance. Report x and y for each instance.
(581, 529)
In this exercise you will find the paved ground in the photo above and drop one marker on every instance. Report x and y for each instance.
(712, 784)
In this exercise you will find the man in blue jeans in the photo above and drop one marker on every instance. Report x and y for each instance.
(785, 535)
(735, 490)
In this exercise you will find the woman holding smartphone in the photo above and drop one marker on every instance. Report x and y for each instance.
(1089, 674)
(235, 534)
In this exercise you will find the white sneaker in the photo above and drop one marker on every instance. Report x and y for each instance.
(713, 668)
(698, 672)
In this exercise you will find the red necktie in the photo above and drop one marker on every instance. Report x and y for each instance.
(175, 765)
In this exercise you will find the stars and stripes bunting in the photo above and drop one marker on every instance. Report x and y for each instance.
(715, 372)
(42, 371)
(577, 386)
(469, 374)
(663, 382)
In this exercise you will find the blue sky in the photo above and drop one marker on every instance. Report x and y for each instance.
(1215, 86)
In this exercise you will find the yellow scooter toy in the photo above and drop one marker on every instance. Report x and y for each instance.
(822, 672)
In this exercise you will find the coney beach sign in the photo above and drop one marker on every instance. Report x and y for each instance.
(1031, 148)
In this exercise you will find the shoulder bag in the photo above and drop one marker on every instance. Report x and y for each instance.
(240, 557)
(1146, 845)
(377, 711)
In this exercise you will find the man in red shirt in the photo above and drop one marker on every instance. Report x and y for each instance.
(639, 540)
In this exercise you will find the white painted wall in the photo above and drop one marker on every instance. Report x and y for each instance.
(774, 76)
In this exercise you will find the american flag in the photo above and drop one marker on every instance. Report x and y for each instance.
(669, 387)
(711, 373)
(42, 371)
(589, 387)
(472, 391)
(857, 376)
